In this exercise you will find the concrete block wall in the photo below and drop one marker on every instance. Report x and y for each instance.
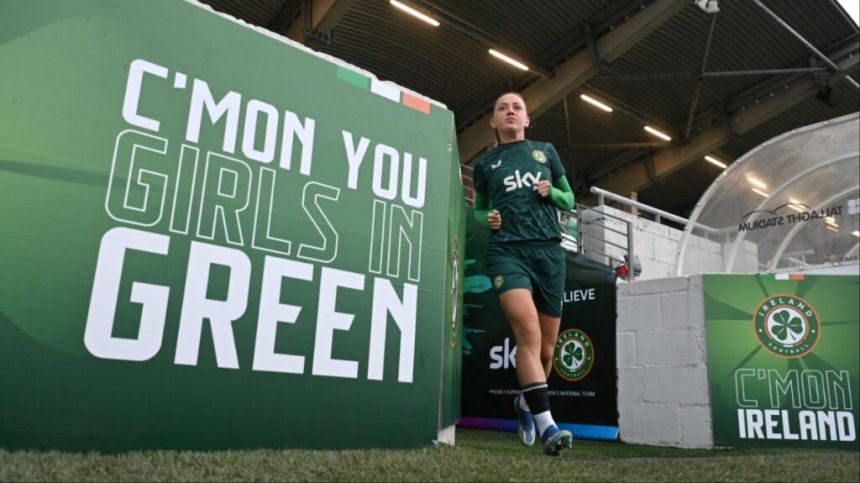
(746, 260)
(663, 394)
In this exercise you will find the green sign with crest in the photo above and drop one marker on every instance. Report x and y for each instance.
(782, 359)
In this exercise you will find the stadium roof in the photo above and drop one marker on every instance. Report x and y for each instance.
(718, 76)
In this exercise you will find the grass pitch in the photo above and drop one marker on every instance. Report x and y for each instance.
(478, 456)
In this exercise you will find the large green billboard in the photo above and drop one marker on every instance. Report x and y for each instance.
(783, 359)
(213, 238)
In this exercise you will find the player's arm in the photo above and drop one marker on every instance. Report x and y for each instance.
(482, 207)
(561, 194)
(483, 214)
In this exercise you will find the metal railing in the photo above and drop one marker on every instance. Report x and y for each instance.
(658, 213)
(586, 232)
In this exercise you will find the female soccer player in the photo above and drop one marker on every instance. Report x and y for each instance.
(518, 185)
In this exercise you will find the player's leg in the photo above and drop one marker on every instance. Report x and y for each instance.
(548, 288)
(510, 278)
(554, 439)
(519, 309)
(549, 333)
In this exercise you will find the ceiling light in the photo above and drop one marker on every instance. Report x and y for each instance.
(708, 6)
(595, 102)
(831, 221)
(856, 233)
(831, 228)
(415, 13)
(657, 133)
(519, 65)
(796, 208)
(756, 182)
(758, 191)
(715, 162)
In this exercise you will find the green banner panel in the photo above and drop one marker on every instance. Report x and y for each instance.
(213, 238)
(782, 359)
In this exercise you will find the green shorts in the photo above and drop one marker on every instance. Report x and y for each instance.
(539, 269)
